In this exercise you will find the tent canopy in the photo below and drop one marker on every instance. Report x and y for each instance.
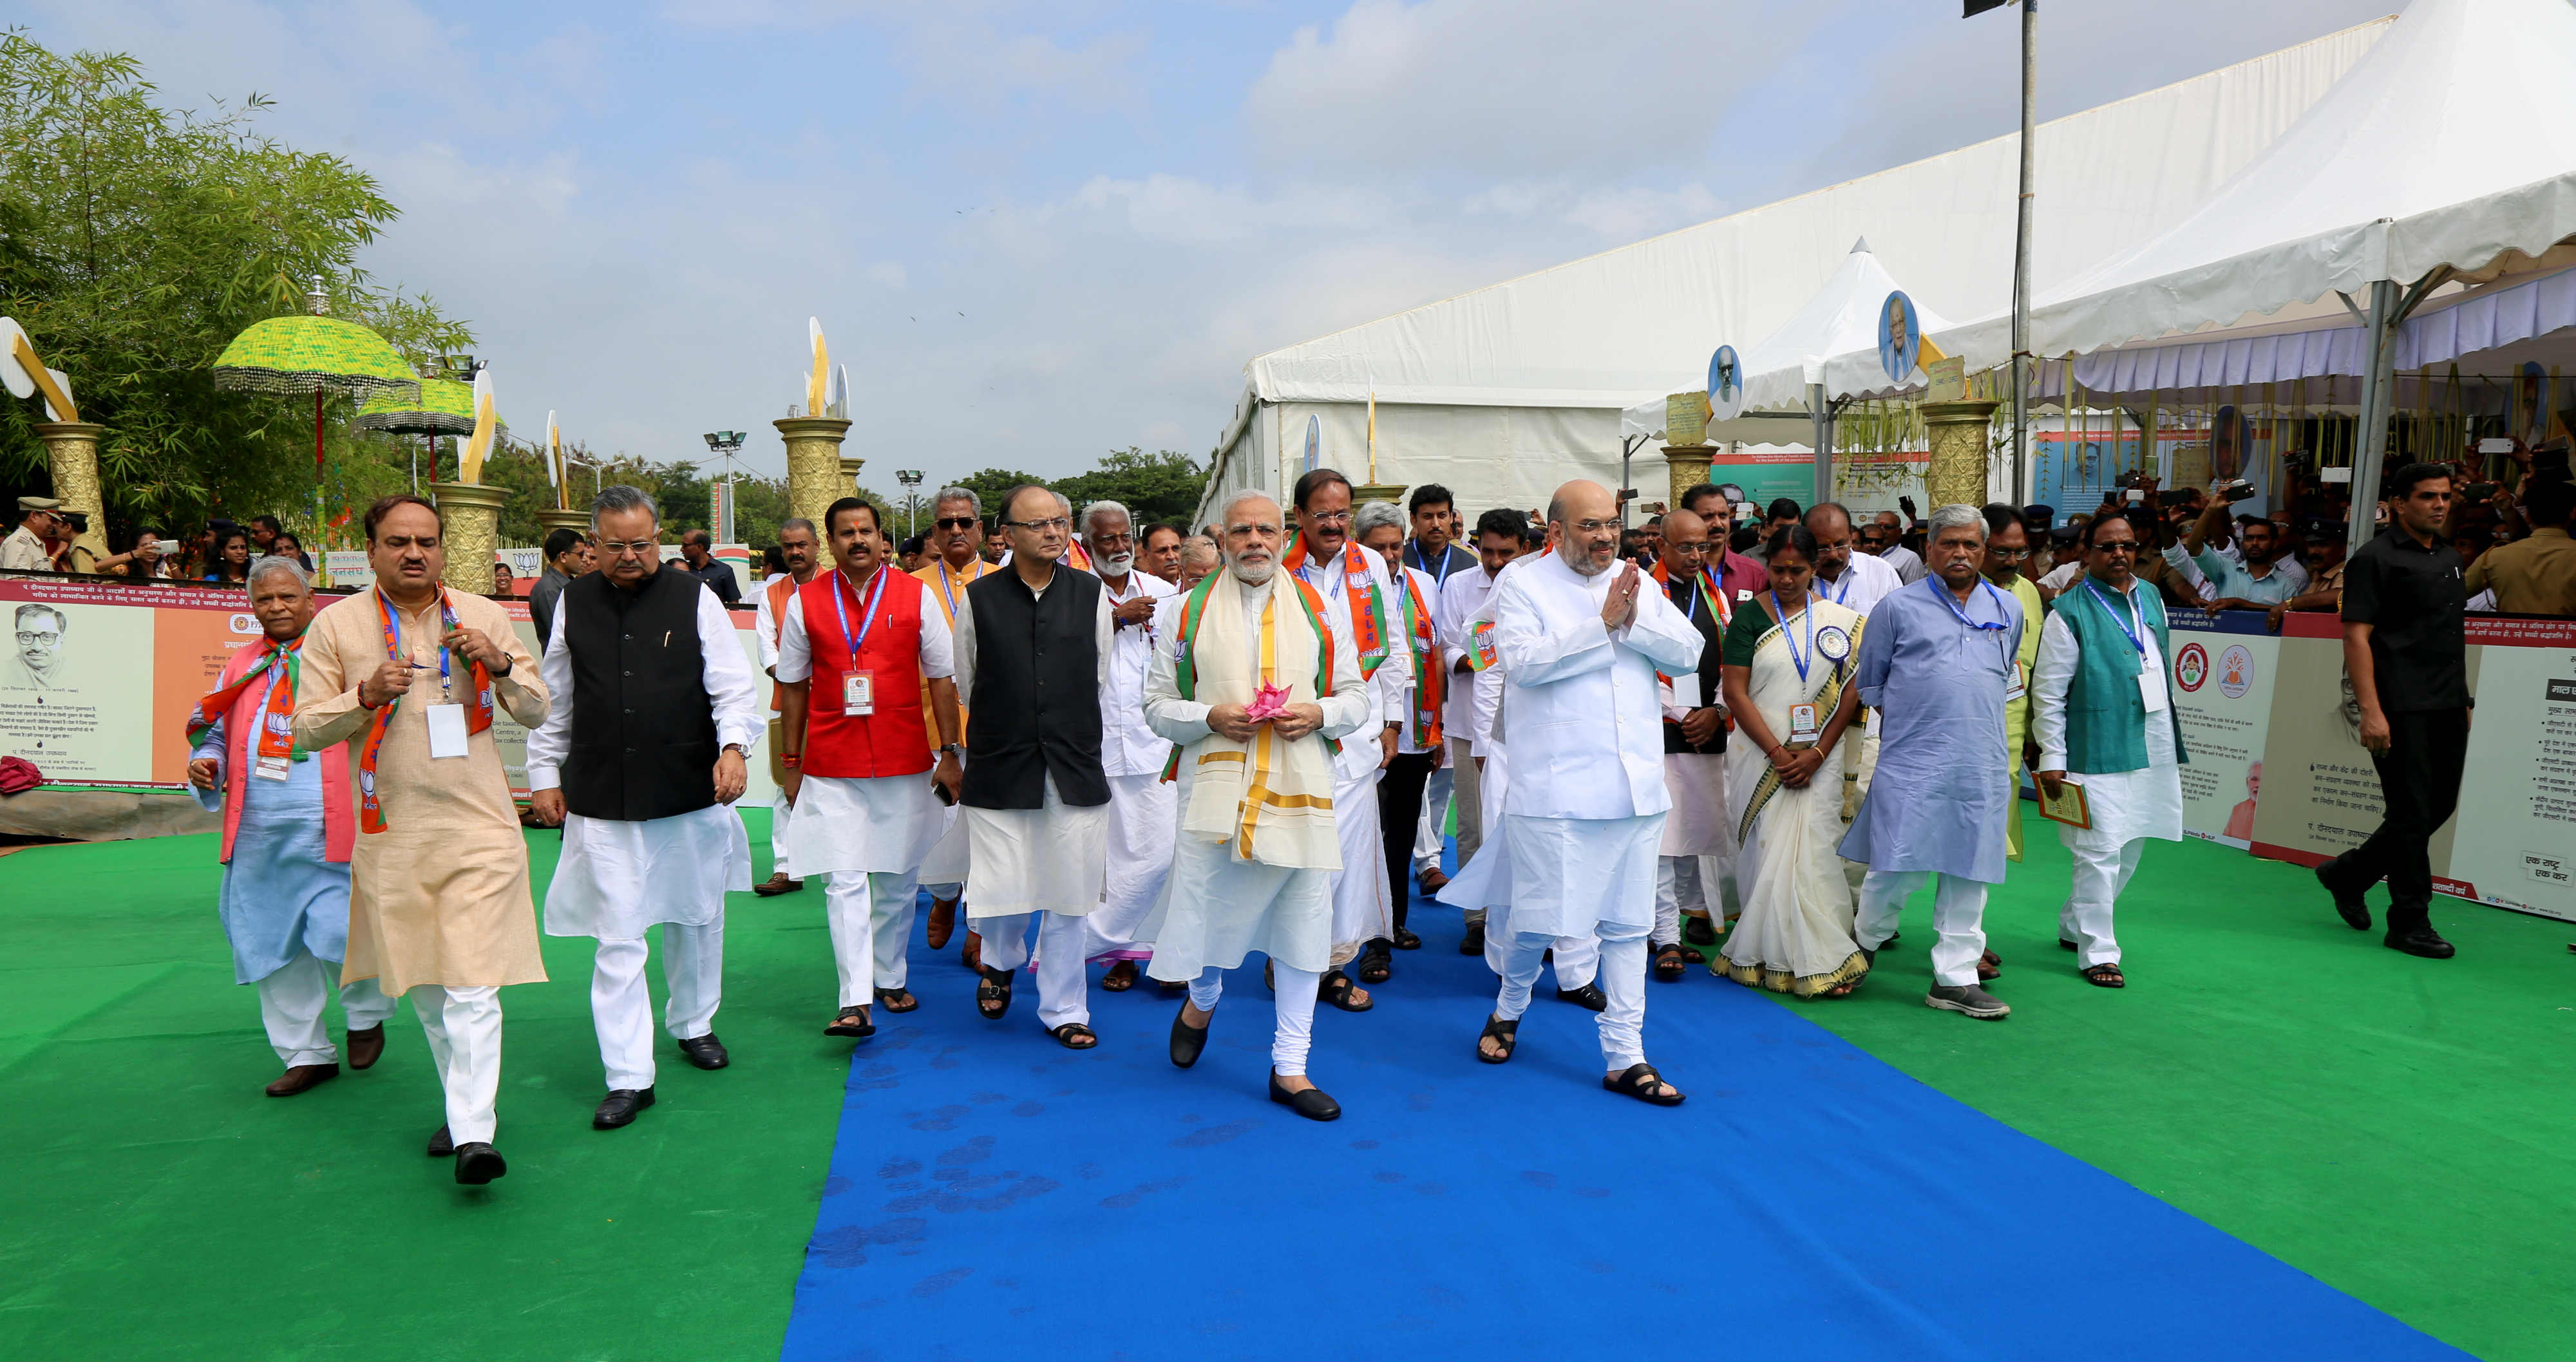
(2452, 142)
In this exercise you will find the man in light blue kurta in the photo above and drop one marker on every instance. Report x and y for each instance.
(1935, 662)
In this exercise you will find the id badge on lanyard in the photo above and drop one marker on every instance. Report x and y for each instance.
(2019, 686)
(446, 730)
(1802, 724)
(859, 694)
(270, 768)
(2151, 687)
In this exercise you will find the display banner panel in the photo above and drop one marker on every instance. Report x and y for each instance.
(2223, 669)
(2514, 842)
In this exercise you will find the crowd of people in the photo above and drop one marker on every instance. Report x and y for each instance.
(47, 539)
(1743, 739)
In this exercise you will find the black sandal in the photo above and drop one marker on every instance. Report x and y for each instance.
(1406, 939)
(1120, 978)
(1506, 1033)
(897, 1000)
(1337, 989)
(2106, 976)
(1376, 966)
(1065, 1034)
(1691, 956)
(852, 1022)
(1669, 962)
(993, 994)
(1640, 1081)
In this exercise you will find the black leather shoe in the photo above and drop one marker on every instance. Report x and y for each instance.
(1187, 1040)
(1698, 932)
(620, 1107)
(439, 1145)
(1589, 997)
(2348, 902)
(706, 1052)
(478, 1163)
(1473, 943)
(1311, 1103)
(2423, 941)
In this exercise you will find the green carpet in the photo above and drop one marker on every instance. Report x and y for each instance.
(160, 1206)
(2397, 1128)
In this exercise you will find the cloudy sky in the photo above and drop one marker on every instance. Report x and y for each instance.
(1037, 232)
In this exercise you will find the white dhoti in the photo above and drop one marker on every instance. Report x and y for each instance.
(291, 1003)
(1483, 886)
(943, 872)
(463, 1028)
(1583, 877)
(1363, 902)
(1431, 835)
(780, 860)
(619, 878)
(1143, 816)
(1698, 847)
(2129, 808)
(1051, 863)
(869, 835)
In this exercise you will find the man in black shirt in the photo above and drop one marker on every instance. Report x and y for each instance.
(697, 560)
(2406, 654)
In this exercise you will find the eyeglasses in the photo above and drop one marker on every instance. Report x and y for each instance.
(1042, 526)
(1330, 517)
(957, 522)
(1595, 526)
(30, 639)
(2009, 555)
(630, 548)
(2129, 547)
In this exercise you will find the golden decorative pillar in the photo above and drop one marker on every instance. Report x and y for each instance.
(814, 478)
(471, 512)
(1957, 472)
(850, 475)
(1687, 466)
(1363, 493)
(71, 447)
(576, 521)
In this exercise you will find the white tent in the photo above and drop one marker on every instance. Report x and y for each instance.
(1504, 392)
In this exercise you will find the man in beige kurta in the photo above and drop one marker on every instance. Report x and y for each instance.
(438, 899)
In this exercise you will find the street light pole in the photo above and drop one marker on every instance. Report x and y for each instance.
(910, 478)
(724, 443)
(2021, 238)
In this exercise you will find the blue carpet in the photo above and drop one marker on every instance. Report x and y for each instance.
(993, 1195)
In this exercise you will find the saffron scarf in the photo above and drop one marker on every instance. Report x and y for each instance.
(1269, 800)
(276, 732)
(1429, 677)
(1185, 645)
(1712, 593)
(478, 714)
(1369, 627)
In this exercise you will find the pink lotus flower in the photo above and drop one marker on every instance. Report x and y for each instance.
(1270, 702)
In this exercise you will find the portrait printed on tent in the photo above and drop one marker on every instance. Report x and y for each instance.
(1725, 384)
(1900, 337)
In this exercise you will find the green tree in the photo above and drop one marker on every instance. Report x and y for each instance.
(1161, 486)
(138, 242)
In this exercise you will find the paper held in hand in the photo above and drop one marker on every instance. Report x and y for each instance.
(2069, 806)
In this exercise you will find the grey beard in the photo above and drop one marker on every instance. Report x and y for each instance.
(1118, 564)
(1254, 573)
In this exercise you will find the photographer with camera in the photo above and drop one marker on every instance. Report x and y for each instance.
(2259, 583)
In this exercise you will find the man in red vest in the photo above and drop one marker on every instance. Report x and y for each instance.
(853, 653)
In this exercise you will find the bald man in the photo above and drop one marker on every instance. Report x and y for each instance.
(1581, 639)
(1697, 861)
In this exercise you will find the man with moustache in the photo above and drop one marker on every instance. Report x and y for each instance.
(2007, 549)
(1696, 865)
(797, 546)
(1160, 555)
(1500, 535)
(1431, 551)
(957, 562)
(1140, 804)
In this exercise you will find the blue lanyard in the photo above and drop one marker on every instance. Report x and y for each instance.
(1440, 578)
(946, 587)
(393, 626)
(2136, 636)
(1998, 628)
(1836, 596)
(1690, 602)
(868, 619)
(1809, 614)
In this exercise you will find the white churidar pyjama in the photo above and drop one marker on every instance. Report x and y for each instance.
(621, 1002)
(863, 909)
(1296, 1003)
(1363, 905)
(1063, 988)
(2101, 873)
(1623, 983)
(779, 816)
(1429, 836)
(1958, 919)
(463, 1027)
(290, 1006)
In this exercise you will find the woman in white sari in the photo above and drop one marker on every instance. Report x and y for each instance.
(1784, 670)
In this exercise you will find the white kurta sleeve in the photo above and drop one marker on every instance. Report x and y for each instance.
(2051, 674)
(938, 647)
(963, 649)
(1537, 650)
(549, 743)
(1660, 632)
(1350, 707)
(1172, 718)
(795, 652)
(1104, 638)
(732, 690)
(764, 627)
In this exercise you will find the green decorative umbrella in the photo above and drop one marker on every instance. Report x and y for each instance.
(315, 353)
(444, 407)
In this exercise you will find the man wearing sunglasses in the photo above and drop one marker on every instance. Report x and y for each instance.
(2007, 549)
(956, 563)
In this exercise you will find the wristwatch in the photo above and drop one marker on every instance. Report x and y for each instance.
(736, 748)
(953, 747)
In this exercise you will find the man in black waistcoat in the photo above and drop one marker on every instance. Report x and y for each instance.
(1697, 835)
(1033, 648)
(638, 760)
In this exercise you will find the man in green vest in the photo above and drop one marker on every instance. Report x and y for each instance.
(2102, 711)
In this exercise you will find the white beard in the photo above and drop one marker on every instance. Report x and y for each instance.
(1254, 574)
(1118, 564)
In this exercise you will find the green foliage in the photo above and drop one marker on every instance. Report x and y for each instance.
(136, 241)
(1156, 487)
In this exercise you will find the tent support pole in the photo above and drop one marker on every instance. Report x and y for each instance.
(2388, 308)
(1821, 413)
(2021, 256)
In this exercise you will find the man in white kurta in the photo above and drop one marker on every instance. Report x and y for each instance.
(2103, 715)
(867, 812)
(1140, 804)
(1252, 866)
(624, 870)
(1581, 646)
(956, 538)
(1349, 578)
(1040, 854)
(1697, 870)
(1500, 536)
(798, 544)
